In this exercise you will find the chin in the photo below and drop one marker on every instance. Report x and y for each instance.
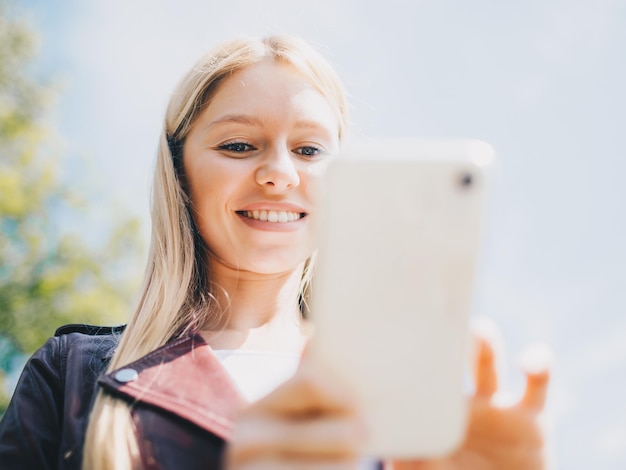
(275, 268)
(275, 264)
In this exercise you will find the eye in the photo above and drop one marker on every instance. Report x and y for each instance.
(309, 151)
(236, 147)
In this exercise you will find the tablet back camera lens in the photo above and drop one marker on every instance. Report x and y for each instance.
(466, 180)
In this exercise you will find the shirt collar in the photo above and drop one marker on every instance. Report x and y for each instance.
(183, 377)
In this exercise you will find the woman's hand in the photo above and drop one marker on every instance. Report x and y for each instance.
(307, 423)
(498, 437)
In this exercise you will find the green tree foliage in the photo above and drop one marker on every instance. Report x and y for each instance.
(48, 275)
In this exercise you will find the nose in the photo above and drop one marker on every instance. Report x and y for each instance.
(277, 171)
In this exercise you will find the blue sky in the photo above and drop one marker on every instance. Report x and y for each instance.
(542, 81)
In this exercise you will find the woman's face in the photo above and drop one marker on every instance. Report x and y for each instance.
(254, 160)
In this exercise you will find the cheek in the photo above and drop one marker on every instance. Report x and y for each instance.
(211, 185)
(204, 193)
(208, 202)
(209, 195)
(312, 181)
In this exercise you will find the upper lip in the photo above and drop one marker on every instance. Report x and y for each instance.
(273, 206)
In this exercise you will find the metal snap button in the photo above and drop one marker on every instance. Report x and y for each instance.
(126, 375)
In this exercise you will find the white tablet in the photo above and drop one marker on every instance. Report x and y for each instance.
(392, 289)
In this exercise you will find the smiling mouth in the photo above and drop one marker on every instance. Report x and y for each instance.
(279, 217)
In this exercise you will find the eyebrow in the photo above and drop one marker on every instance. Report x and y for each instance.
(308, 124)
(237, 118)
(255, 121)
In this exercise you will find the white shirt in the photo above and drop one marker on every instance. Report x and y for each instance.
(258, 373)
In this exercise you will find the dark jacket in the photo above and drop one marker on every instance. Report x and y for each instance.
(183, 402)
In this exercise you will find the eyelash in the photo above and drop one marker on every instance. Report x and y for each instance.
(241, 147)
(316, 151)
(228, 146)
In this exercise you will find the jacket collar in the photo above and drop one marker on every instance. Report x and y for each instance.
(185, 378)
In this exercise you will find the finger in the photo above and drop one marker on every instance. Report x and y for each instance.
(488, 351)
(409, 465)
(485, 371)
(536, 361)
(307, 393)
(275, 464)
(327, 438)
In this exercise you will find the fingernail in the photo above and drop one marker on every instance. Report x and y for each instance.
(536, 358)
(486, 328)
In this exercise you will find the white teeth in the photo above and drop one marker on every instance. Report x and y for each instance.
(272, 216)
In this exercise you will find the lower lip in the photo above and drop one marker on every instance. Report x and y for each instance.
(273, 226)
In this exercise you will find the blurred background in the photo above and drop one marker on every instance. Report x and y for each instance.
(83, 87)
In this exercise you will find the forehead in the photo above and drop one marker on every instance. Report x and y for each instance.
(271, 91)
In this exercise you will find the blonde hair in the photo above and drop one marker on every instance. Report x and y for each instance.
(177, 294)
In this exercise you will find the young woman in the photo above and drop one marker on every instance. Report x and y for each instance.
(197, 377)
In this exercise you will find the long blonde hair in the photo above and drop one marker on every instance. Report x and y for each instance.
(177, 293)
